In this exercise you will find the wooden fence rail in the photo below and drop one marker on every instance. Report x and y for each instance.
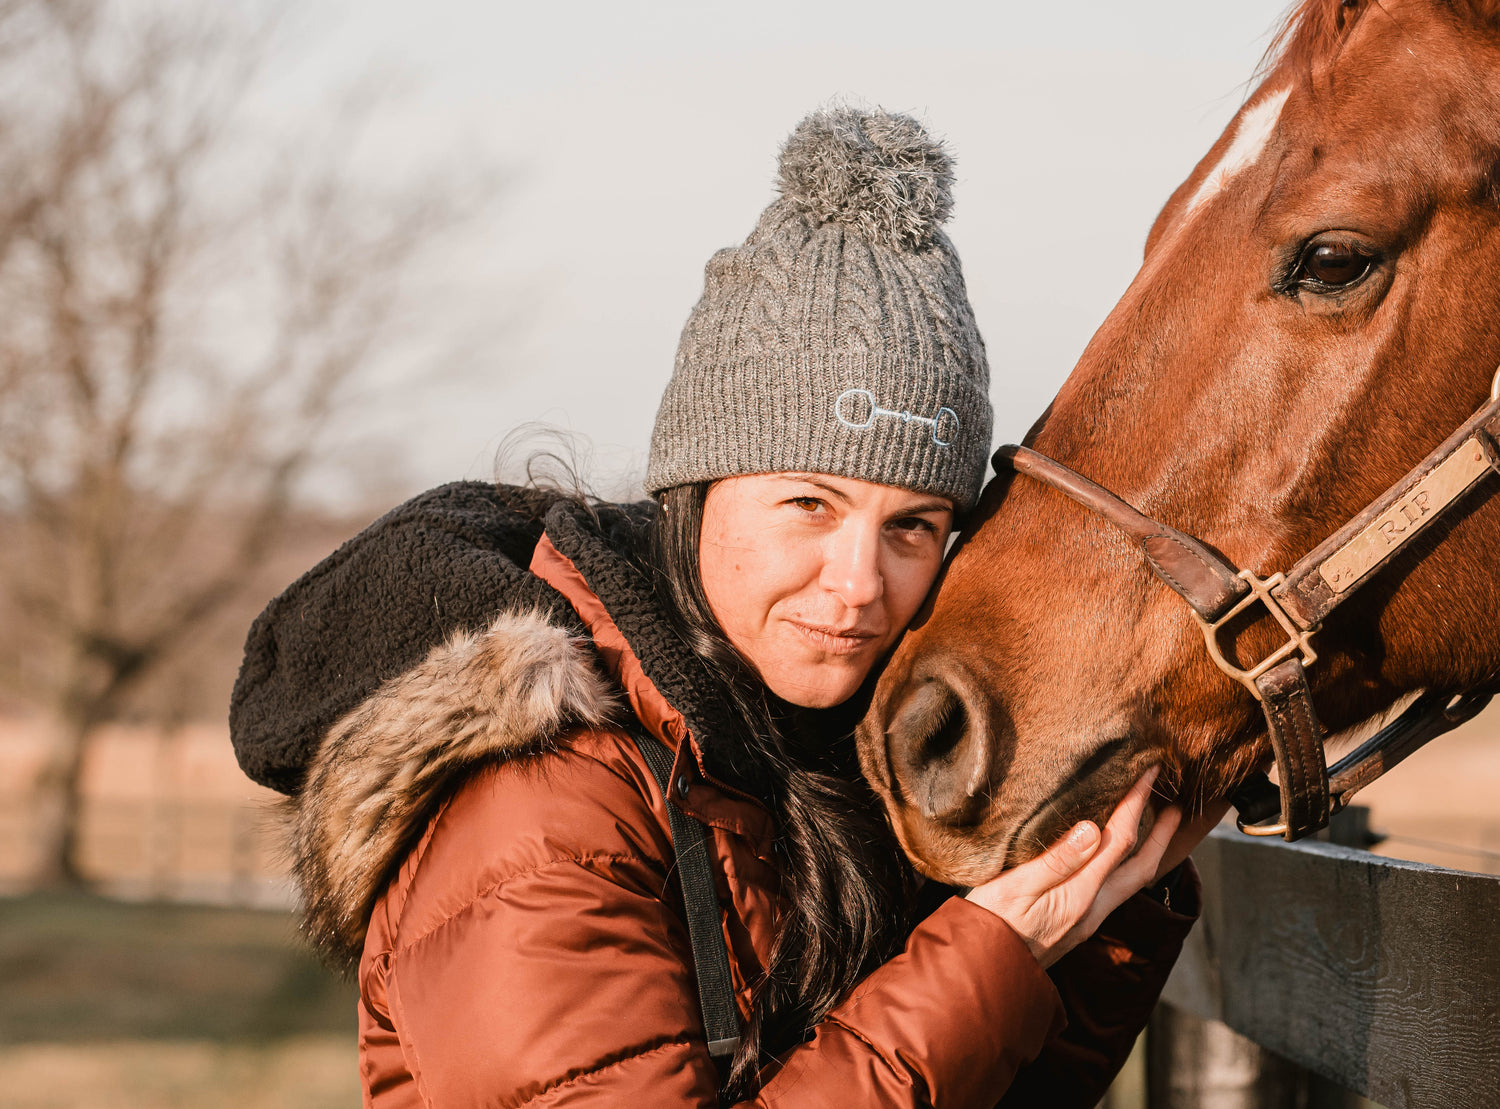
(1378, 974)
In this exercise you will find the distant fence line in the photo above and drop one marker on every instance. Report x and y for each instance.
(212, 851)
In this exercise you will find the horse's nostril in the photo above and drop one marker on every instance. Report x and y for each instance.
(952, 721)
(937, 753)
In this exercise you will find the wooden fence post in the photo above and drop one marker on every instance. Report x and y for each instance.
(1382, 975)
(1193, 1063)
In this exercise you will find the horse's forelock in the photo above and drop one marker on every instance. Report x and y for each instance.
(1312, 34)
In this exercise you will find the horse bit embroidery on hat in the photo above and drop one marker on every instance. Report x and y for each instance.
(943, 422)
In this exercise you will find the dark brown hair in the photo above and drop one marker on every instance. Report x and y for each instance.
(846, 887)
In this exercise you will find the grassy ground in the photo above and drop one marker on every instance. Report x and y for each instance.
(186, 1007)
(156, 1006)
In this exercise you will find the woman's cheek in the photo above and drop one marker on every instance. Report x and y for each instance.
(909, 581)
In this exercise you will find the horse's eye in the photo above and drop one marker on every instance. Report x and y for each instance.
(1333, 264)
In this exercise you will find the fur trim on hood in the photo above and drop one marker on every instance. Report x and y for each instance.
(385, 766)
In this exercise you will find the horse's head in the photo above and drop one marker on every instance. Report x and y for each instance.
(1319, 306)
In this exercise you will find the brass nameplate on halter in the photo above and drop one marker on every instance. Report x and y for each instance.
(1386, 534)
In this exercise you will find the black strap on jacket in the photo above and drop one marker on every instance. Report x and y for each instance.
(705, 932)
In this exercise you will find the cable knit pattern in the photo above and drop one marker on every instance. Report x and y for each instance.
(838, 338)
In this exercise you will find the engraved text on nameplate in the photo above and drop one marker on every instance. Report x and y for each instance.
(1393, 527)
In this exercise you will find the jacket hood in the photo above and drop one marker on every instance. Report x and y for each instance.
(447, 561)
(426, 646)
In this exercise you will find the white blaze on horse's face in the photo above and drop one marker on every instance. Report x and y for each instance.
(1256, 125)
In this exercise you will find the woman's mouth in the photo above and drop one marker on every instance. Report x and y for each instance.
(834, 641)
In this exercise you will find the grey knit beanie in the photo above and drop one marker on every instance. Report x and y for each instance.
(839, 338)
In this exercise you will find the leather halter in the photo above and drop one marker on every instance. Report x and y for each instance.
(1299, 600)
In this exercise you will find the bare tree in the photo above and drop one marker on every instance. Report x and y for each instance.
(183, 314)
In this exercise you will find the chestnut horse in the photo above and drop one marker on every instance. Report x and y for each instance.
(1318, 309)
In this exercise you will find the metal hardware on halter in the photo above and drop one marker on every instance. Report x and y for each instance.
(1276, 827)
(1300, 642)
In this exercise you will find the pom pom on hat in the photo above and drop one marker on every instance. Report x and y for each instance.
(881, 174)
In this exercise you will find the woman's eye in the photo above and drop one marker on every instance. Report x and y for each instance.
(1333, 264)
(807, 504)
(914, 524)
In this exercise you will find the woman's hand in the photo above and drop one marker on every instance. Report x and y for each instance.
(1058, 899)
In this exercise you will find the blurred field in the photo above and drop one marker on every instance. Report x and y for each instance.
(167, 816)
(305, 1072)
(156, 1006)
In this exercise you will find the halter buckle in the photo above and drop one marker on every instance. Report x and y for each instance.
(1276, 826)
(1299, 641)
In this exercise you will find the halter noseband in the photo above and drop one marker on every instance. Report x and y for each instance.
(1310, 792)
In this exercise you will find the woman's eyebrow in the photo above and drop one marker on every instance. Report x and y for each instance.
(926, 506)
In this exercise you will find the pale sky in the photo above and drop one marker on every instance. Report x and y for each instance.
(637, 139)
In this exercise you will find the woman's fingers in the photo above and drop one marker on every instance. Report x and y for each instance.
(1131, 875)
(1059, 862)
(1059, 898)
(1168, 824)
(1065, 858)
(1141, 869)
(1189, 834)
(1137, 873)
(1122, 829)
(1085, 857)
(1127, 815)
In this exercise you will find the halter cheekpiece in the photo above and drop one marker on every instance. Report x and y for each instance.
(1298, 600)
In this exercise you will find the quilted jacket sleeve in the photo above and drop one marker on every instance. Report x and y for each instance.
(528, 956)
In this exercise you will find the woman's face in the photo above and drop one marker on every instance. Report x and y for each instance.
(814, 577)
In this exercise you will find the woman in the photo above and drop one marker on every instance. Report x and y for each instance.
(451, 698)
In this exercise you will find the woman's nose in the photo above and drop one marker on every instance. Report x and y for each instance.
(851, 567)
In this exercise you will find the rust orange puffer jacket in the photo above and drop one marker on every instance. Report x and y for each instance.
(492, 849)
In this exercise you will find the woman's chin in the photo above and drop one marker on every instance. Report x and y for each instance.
(817, 686)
